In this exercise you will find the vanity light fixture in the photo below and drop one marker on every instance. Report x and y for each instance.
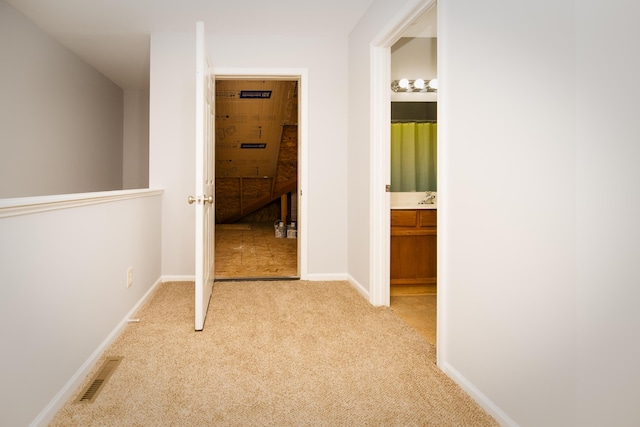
(418, 85)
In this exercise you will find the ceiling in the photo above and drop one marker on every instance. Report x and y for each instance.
(249, 129)
(425, 26)
(113, 35)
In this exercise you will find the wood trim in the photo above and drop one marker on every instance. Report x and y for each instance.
(413, 289)
(414, 232)
(414, 282)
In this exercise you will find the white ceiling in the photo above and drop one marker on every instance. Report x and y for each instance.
(113, 35)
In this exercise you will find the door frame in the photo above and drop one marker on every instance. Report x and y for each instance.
(380, 131)
(301, 75)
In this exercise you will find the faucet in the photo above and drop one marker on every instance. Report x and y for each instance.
(428, 199)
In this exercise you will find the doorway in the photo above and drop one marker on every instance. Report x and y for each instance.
(258, 145)
(413, 251)
(380, 172)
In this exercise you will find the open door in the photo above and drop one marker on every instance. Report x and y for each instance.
(205, 180)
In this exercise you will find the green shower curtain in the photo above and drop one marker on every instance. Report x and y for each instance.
(413, 156)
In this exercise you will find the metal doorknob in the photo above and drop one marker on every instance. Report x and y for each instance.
(204, 199)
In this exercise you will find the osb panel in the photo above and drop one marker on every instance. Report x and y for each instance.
(250, 120)
(269, 214)
(246, 175)
(291, 110)
(230, 190)
(227, 197)
(255, 188)
(288, 157)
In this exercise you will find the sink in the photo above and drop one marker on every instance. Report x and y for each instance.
(411, 200)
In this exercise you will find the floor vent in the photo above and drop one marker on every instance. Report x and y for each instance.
(95, 385)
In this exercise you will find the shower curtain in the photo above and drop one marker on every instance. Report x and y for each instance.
(413, 156)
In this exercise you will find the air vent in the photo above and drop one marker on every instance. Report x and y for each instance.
(253, 145)
(90, 393)
(253, 94)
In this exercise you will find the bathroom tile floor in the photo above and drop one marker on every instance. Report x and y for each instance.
(253, 251)
(419, 312)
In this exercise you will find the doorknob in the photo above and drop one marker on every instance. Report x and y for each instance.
(204, 199)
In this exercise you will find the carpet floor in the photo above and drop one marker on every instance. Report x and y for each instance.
(274, 353)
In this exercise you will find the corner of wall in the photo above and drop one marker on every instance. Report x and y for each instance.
(493, 409)
(47, 414)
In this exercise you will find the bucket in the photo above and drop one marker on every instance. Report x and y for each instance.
(292, 233)
(280, 229)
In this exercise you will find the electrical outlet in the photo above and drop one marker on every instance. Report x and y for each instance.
(129, 277)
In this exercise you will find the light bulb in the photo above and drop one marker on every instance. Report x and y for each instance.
(404, 83)
(419, 84)
(433, 84)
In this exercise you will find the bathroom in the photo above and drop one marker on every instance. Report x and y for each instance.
(413, 176)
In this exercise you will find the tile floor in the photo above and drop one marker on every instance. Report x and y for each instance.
(419, 311)
(253, 251)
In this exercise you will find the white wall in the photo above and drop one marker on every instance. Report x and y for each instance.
(63, 292)
(359, 152)
(608, 344)
(135, 141)
(63, 272)
(509, 199)
(414, 58)
(60, 120)
(171, 146)
(172, 135)
(537, 279)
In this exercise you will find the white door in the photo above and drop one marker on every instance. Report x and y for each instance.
(205, 180)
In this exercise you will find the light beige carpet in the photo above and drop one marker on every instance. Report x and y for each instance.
(280, 353)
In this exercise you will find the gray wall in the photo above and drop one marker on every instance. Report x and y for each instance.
(61, 121)
(135, 145)
(607, 173)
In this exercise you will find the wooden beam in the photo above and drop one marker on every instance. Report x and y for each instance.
(283, 207)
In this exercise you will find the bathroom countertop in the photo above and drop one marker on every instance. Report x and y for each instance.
(411, 200)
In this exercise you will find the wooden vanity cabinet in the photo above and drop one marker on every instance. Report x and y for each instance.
(413, 251)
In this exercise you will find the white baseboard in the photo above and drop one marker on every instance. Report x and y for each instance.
(358, 286)
(47, 414)
(327, 277)
(341, 277)
(486, 403)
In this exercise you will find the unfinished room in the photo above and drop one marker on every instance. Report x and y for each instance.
(256, 178)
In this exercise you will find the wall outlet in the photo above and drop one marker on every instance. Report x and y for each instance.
(129, 277)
